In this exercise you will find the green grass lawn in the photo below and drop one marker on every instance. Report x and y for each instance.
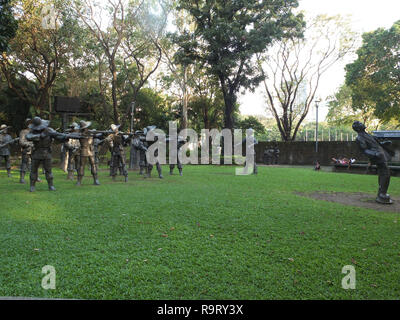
(206, 235)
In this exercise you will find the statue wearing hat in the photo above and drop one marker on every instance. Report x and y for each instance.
(26, 151)
(87, 152)
(5, 142)
(117, 142)
(72, 147)
(42, 137)
(378, 154)
(140, 144)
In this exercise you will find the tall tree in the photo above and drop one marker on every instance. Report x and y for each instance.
(228, 34)
(181, 69)
(141, 47)
(43, 43)
(109, 37)
(374, 77)
(293, 68)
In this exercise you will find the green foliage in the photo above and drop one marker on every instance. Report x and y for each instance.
(13, 111)
(374, 77)
(152, 108)
(342, 113)
(206, 113)
(254, 123)
(8, 24)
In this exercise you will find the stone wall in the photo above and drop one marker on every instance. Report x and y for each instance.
(303, 153)
(291, 153)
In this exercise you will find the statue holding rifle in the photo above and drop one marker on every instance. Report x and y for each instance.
(117, 140)
(26, 151)
(72, 147)
(5, 142)
(42, 137)
(87, 151)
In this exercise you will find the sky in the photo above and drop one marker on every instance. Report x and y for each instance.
(365, 16)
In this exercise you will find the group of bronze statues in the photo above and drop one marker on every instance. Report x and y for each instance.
(80, 147)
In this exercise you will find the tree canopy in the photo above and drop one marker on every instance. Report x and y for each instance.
(374, 77)
(227, 36)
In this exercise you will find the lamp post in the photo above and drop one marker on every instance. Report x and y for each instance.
(316, 124)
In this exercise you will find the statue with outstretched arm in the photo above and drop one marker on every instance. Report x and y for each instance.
(42, 137)
(117, 140)
(72, 148)
(378, 154)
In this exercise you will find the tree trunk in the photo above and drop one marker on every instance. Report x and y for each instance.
(185, 100)
(114, 92)
(42, 101)
(206, 118)
(230, 100)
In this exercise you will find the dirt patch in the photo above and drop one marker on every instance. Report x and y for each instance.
(363, 200)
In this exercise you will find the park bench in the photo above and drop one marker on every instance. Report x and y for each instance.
(361, 167)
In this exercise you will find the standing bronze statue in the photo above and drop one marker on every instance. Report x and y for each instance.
(140, 144)
(97, 142)
(72, 148)
(149, 143)
(26, 151)
(117, 141)
(42, 137)
(378, 154)
(86, 153)
(5, 142)
(180, 143)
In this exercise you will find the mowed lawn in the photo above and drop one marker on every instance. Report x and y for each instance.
(206, 235)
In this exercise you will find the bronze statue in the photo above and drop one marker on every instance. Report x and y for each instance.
(149, 143)
(5, 142)
(379, 154)
(268, 156)
(117, 140)
(276, 153)
(140, 144)
(72, 148)
(26, 151)
(97, 142)
(42, 137)
(86, 153)
(181, 142)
